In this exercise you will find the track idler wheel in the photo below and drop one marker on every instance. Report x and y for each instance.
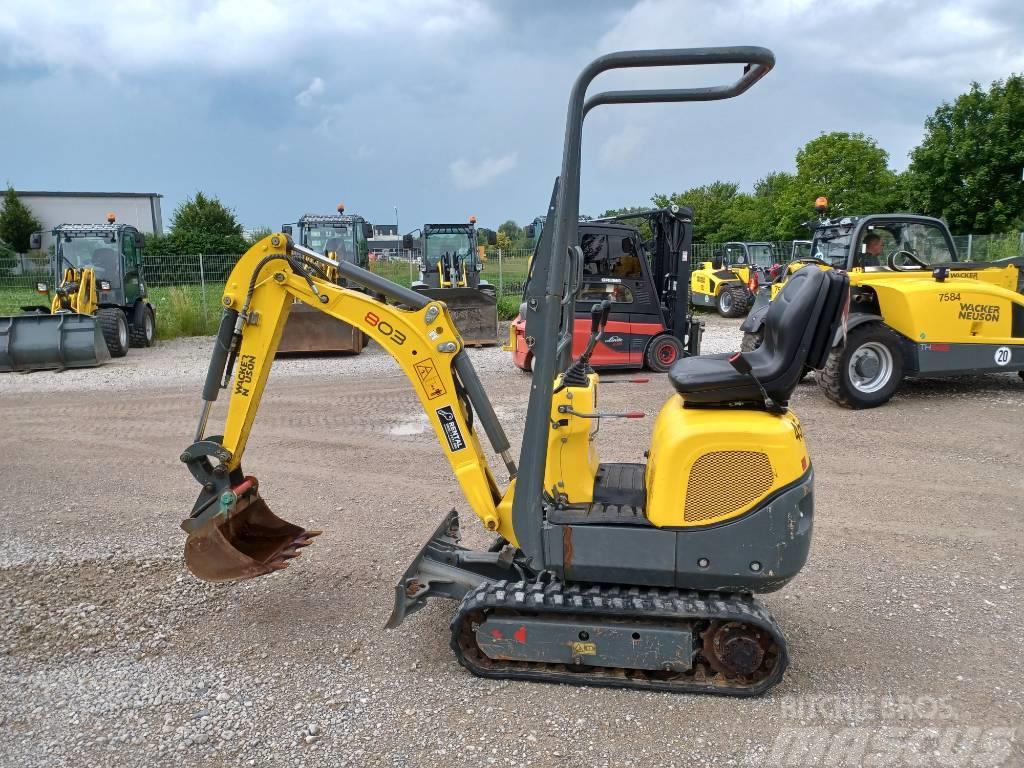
(735, 649)
(244, 539)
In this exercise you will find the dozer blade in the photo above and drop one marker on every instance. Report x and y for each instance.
(309, 331)
(475, 313)
(39, 342)
(243, 539)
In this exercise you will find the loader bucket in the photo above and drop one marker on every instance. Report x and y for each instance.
(475, 313)
(39, 342)
(309, 331)
(244, 539)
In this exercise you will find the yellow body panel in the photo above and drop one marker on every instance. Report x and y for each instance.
(703, 280)
(572, 459)
(707, 465)
(959, 310)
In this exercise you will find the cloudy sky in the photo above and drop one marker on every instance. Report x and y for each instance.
(446, 108)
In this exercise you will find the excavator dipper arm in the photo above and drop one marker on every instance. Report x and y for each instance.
(232, 533)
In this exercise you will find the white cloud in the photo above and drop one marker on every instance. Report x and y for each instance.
(467, 175)
(308, 96)
(919, 40)
(624, 148)
(129, 36)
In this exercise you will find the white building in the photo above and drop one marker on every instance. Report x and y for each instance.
(139, 209)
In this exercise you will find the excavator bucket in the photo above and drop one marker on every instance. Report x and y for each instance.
(41, 341)
(243, 539)
(309, 331)
(475, 313)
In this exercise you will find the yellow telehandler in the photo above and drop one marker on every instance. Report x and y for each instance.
(637, 575)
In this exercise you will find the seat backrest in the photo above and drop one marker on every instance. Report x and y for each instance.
(837, 302)
(798, 329)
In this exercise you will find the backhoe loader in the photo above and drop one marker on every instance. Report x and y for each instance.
(100, 305)
(915, 308)
(342, 237)
(637, 575)
(451, 271)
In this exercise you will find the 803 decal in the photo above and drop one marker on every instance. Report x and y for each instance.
(386, 328)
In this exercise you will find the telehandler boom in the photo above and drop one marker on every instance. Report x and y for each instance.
(626, 575)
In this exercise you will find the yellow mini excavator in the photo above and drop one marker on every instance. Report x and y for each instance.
(635, 575)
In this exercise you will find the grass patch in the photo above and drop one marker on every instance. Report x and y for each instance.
(13, 299)
(508, 307)
(185, 310)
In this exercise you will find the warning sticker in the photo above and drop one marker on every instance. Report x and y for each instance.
(450, 427)
(430, 380)
(1003, 356)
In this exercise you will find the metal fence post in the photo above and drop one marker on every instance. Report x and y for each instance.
(970, 246)
(501, 280)
(202, 288)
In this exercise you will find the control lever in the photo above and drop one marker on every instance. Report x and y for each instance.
(742, 366)
(576, 374)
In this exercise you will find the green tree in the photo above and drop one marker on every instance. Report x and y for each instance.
(710, 205)
(968, 167)
(8, 258)
(17, 222)
(850, 169)
(511, 230)
(207, 215)
(258, 234)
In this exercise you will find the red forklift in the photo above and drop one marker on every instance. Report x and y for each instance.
(648, 283)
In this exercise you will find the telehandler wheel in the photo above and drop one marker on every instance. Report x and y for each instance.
(865, 371)
(752, 341)
(662, 353)
(732, 301)
(142, 331)
(114, 325)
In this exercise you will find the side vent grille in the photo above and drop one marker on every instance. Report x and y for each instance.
(724, 482)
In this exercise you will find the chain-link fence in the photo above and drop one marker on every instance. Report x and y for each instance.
(186, 290)
(968, 248)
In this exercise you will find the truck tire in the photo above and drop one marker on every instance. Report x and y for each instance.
(662, 353)
(865, 370)
(142, 331)
(732, 301)
(114, 326)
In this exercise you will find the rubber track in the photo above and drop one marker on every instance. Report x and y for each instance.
(556, 598)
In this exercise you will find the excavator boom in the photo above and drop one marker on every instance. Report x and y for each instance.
(232, 533)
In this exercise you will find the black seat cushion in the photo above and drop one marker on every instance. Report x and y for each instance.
(798, 326)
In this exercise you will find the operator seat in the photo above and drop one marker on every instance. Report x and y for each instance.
(798, 332)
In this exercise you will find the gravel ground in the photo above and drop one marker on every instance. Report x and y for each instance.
(907, 617)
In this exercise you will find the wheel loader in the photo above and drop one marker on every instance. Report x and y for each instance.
(915, 308)
(451, 271)
(637, 575)
(729, 282)
(100, 305)
(342, 237)
(651, 325)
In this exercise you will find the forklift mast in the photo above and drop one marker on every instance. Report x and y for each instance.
(669, 248)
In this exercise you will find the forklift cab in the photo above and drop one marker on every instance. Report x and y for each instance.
(615, 268)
